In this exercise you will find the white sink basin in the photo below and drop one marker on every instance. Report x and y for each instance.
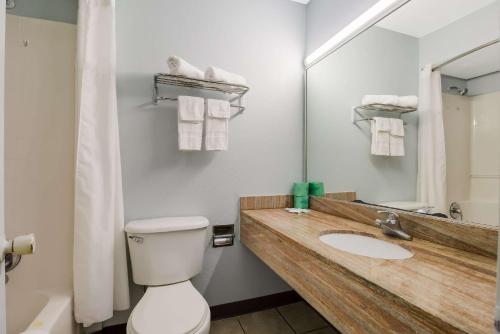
(365, 246)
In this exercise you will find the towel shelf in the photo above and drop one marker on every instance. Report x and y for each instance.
(236, 91)
(359, 113)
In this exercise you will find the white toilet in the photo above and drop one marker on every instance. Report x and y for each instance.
(165, 254)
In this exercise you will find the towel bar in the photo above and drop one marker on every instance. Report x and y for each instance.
(174, 80)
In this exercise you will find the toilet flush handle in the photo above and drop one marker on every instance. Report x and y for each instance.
(137, 239)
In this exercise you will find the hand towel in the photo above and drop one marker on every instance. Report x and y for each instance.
(190, 122)
(179, 66)
(216, 74)
(380, 129)
(410, 101)
(396, 138)
(217, 125)
(191, 108)
(379, 99)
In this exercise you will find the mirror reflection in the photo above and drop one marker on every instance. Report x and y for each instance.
(407, 114)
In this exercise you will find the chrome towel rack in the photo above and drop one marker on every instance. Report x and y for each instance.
(236, 92)
(359, 113)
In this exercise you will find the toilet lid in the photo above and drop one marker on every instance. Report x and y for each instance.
(177, 308)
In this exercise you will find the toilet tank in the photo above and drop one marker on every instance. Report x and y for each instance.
(166, 250)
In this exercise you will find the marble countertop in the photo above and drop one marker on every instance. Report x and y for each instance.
(453, 285)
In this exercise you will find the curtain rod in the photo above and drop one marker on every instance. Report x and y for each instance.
(466, 53)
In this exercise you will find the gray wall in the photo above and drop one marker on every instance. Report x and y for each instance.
(326, 17)
(262, 40)
(54, 10)
(462, 35)
(484, 85)
(379, 61)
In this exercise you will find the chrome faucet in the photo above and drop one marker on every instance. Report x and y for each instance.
(391, 226)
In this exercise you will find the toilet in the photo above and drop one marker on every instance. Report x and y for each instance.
(165, 254)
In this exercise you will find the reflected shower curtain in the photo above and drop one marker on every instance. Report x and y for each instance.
(99, 261)
(431, 177)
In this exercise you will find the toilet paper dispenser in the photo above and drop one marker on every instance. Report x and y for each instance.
(223, 235)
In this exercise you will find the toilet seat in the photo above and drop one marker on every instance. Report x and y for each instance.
(174, 309)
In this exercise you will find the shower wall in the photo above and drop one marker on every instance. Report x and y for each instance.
(39, 154)
(485, 154)
(472, 134)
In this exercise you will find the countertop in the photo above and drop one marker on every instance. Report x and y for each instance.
(450, 284)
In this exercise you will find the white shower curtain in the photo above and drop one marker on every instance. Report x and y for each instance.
(99, 259)
(431, 178)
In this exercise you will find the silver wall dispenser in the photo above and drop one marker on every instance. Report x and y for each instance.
(223, 235)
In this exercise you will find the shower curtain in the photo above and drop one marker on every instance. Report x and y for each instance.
(431, 177)
(99, 260)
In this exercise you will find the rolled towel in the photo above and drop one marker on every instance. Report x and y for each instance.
(179, 66)
(380, 99)
(216, 74)
(410, 101)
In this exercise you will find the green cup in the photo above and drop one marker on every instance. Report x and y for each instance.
(316, 189)
(301, 189)
(301, 202)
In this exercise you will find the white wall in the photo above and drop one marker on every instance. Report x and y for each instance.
(39, 154)
(262, 40)
(326, 17)
(379, 61)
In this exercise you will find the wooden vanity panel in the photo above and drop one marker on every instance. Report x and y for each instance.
(350, 303)
(266, 202)
(342, 196)
(482, 240)
(439, 290)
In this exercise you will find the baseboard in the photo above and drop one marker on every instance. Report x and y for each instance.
(234, 309)
(253, 305)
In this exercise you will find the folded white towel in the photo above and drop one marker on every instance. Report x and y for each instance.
(217, 125)
(380, 128)
(179, 66)
(379, 99)
(410, 101)
(218, 108)
(191, 108)
(35, 331)
(216, 74)
(190, 112)
(397, 127)
(396, 138)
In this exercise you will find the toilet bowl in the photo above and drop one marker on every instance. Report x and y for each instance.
(176, 308)
(165, 253)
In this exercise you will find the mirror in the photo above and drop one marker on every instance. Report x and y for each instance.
(453, 173)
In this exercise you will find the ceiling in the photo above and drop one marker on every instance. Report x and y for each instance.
(476, 64)
(421, 17)
(305, 2)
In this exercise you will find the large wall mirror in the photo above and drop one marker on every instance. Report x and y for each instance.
(445, 159)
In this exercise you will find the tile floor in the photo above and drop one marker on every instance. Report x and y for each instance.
(297, 318)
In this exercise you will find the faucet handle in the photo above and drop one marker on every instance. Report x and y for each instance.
(390, 215)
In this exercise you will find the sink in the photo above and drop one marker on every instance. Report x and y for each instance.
(366, 246)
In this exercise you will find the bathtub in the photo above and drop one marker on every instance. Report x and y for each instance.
(55, 317)
(484, 212)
